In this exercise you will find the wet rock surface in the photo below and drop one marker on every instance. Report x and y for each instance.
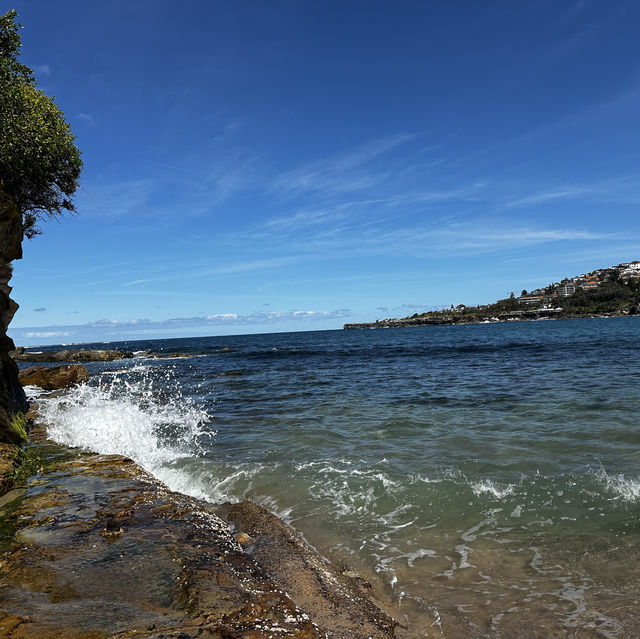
(341, 604)
(53, 378)
(95, 548)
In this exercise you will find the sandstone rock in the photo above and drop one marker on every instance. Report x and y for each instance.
(336, 603)
(102, 551)
(10, 455)
(54, 378)
(243, 539)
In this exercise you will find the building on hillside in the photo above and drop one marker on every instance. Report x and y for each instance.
(530, 299)
(632, 269)
(566, 289)
(591, 283)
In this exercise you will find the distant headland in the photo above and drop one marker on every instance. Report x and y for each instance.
(605, 292)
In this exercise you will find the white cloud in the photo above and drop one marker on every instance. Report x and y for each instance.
(130, 328)
(42, 334)
(42, 69)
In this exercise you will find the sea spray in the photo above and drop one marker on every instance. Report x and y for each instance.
(138, 413)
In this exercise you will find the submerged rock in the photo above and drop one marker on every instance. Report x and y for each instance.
(54, 378)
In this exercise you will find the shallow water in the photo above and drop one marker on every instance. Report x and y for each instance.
(487, 475)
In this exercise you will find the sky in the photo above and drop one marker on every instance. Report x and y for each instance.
(296, 165)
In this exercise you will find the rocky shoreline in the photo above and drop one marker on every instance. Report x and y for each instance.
(453, 320)
(94, 548)
(86, 355)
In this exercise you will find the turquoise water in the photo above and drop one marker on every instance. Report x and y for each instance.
(486, 477)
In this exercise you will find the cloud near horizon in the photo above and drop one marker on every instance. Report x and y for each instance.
(145, 328)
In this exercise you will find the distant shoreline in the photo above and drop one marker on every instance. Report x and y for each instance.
(513, 316)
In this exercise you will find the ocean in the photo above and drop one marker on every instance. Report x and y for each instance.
(486, 477)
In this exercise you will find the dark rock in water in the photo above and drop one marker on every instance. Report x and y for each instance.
(169, 356)
(68, 355)
(54, 378)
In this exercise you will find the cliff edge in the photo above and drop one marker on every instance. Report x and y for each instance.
(12, 397)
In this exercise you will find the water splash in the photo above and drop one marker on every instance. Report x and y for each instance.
(625, 489)
(140, 414)
(492, 488)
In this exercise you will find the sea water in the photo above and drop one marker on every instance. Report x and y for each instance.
(487, 477)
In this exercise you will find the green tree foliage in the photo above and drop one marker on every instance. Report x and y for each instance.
(39, 162)
(610, 297)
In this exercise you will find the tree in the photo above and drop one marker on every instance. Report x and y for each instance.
(39, 162)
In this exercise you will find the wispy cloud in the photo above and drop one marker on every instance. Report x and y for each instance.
(117, 199)
(144, 281)
(419, 237)
(567, 193)
(340, 173)
(468, 239)
(620, 189)
(86, 117)
(42, 69)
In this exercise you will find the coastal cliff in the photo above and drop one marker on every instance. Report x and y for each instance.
(12, 398)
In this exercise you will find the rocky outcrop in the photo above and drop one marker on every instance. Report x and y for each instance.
(69, 355)
(96, 548)
(12, 398)
(54, 378)
(308, 577)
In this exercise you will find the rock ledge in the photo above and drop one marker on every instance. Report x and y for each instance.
(99, 549)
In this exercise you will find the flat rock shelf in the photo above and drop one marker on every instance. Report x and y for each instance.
(94, 547)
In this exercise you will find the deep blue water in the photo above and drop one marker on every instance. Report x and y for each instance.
(488, 476)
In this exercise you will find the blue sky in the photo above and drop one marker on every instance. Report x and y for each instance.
(272, 166)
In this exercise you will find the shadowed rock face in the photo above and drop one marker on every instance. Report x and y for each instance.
(102, 550)
(12, 398)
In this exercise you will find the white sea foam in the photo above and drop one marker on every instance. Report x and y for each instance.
(32, 392)
(132, 417)
(487, 486)
(625, 489)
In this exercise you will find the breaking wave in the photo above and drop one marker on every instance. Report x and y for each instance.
(622, 488)
(140, 414)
